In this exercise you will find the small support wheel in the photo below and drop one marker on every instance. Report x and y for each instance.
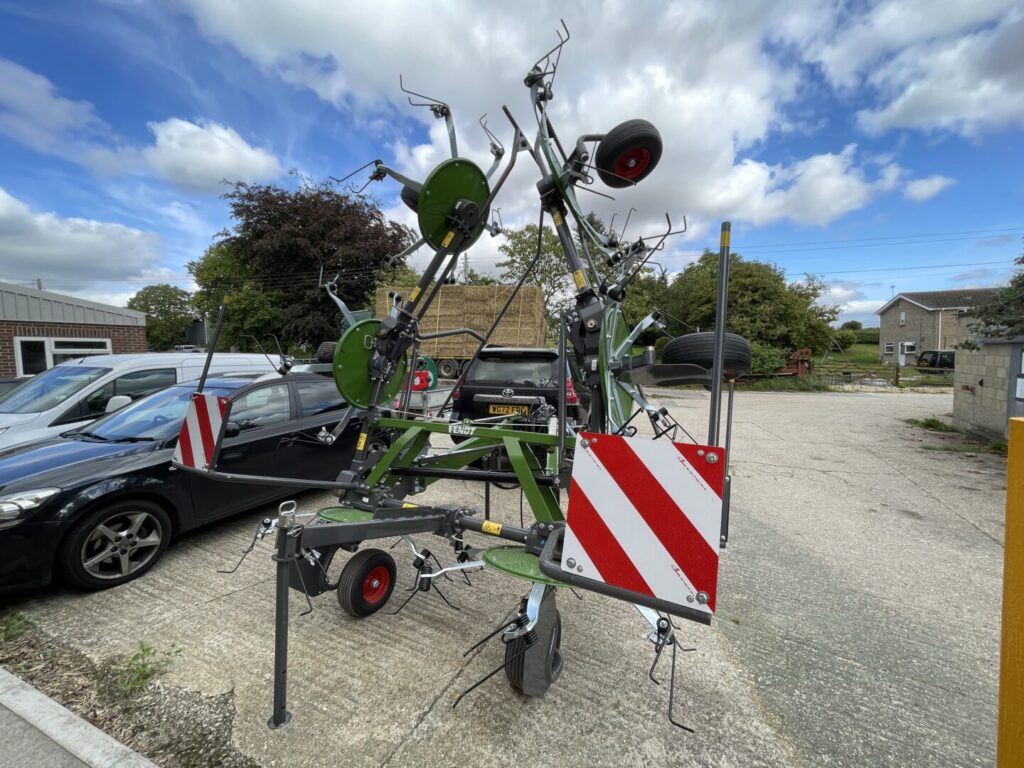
(534, 671)
(367, 581)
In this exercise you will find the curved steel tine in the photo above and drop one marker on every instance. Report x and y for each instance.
(430, 100)
(345, 178)
(628, 217)
(497, 148)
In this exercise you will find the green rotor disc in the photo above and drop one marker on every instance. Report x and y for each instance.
(516, 561)
(352, 367)
(451, 181)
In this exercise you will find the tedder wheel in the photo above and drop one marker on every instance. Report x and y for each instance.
(628, 153)
(367, 581)
(448, 369)
(699, 349)
(534, 671)
(325, 352)
(411, 198)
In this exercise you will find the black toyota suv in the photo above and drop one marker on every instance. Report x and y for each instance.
(505, 381)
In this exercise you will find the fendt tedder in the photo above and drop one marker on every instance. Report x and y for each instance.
(646, 517)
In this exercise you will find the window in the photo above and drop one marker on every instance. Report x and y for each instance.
(261, 408)
(316, 397)
(909, 346)
(135, 385)
(890, 347)
(49, 389)
(903, 317)
(35, 355)
(524, 371)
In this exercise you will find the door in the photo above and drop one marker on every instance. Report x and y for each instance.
(320, 409)
(262, 446)
(907, 350)
(136, 384)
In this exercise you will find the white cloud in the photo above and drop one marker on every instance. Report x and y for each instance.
(199, 156)
(32, 112)
(716, 99)
(955, 69)
(70, 251)
(196, 156)
(920, 190)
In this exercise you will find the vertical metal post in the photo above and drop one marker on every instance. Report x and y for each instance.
(285, 552)
(212, 346)
(562, 365)
(487, 500)
(721, 311)
(1011, 667)
(727, 487)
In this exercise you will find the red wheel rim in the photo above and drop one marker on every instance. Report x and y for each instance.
(376, 583)
(632, 163)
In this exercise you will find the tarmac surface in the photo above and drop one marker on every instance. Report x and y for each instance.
(857, 624)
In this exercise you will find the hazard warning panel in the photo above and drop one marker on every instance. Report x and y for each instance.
(645, 516)
(201, 431)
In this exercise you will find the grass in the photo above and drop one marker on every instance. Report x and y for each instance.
(785, 384)
(935, 425)
(134, 672)
(13, 626)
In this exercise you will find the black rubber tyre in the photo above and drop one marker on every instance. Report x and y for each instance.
(411, 198)
(366, 583)
(132, 533)
(628, 153)
(325, 352)
(448, 369)
(699, 349)
(534, 671)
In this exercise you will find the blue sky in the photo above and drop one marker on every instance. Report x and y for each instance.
(879, 145)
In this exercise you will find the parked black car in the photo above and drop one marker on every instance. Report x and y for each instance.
(99, 506)
(505, 381)
(937, 360)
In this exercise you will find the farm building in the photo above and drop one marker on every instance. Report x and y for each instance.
(911, 323)
(39, 329)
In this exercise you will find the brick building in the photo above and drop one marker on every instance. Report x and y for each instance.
(39, 329)
(910, 323)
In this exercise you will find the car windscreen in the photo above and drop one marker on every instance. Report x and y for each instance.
(49, 388)
(524, 371)
(157, 417)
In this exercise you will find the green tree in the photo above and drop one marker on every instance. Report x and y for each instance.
(550, 274)
(169, 313)
(646, 292)
(845, 338)
(1002, 316)
(278, 244)
(851, 325)
(253, 310)
(763, 306)
(479, 278)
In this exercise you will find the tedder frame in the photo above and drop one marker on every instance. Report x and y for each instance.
(634, 538)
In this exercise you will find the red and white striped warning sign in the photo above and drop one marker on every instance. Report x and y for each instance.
(646, 515)
(204, 421)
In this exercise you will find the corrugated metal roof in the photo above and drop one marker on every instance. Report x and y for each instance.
(30, 305)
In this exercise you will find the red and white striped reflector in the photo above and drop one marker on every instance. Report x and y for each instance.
(646, 516)
(201, 431)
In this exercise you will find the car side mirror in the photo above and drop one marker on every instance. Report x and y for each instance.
(232, 429)
(116, 403)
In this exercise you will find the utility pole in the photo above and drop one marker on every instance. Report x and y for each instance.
(39, 284)
(465, 269)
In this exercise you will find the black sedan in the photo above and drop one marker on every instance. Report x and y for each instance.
(98, 507)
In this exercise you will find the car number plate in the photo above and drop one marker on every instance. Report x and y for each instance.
(508, 409)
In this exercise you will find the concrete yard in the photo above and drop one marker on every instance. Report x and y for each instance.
(857, 625)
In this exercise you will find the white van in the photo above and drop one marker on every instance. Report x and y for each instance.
(72, 394)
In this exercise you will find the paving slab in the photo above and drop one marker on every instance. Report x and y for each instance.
(858, 622)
